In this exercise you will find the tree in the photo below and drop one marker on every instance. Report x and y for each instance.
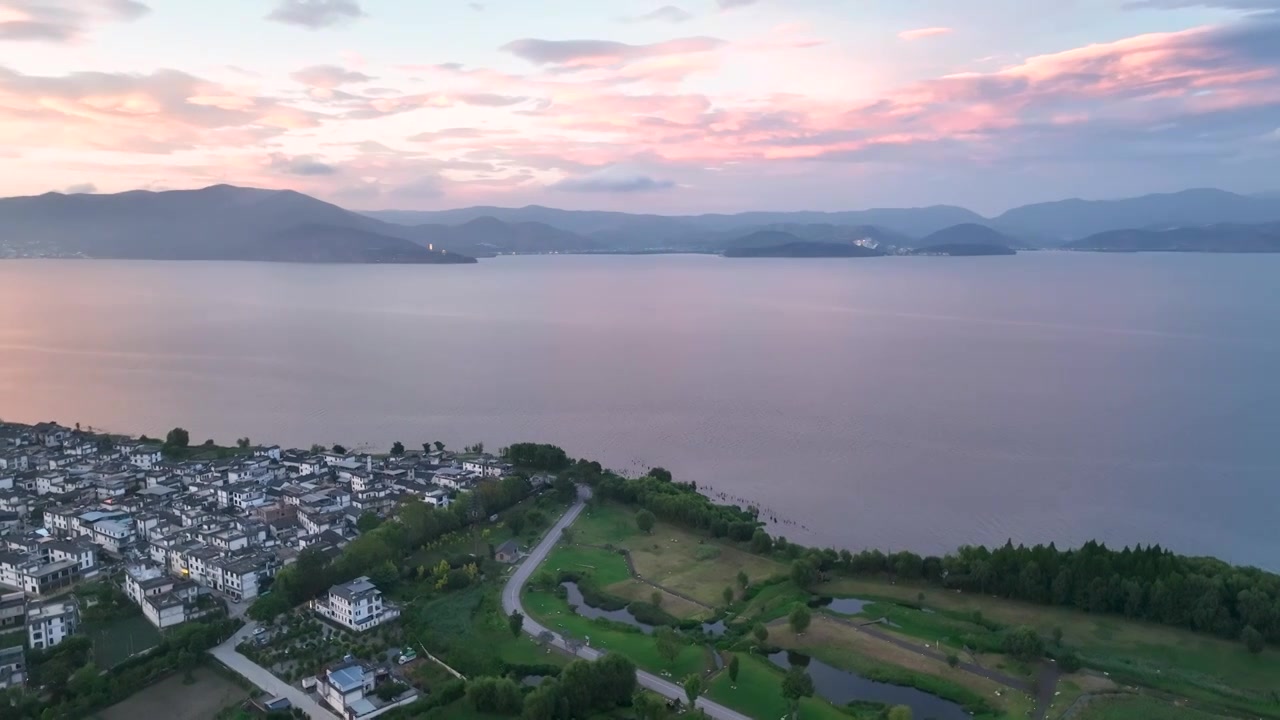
(1069, 662)
(803, 573)
(733, 669)
(761, 543)
(799, 619)
(439, 446)
(668, 642)
(1023, 644)
(397, 448)
(339, 449)
(795, 685)
(899, 712)
(516, 622)
(1253, 639)
(648, 706)
(426, 448)
(655, 597)
(515, 521)
(1057, 636)
(568, 535)
(661, 474)
(368, 521)
(177, 438)
(644, 521)
(743, 580)
(728, 595)
(243, 443)
(693, 688)
(953, 660)
(761, 633)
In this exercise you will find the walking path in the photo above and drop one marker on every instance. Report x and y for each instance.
(511, 601)
(260, 676)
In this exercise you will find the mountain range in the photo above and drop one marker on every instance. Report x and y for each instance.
(224, 222)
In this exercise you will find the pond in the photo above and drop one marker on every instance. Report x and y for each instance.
(847, 606)
(582, 608)
(841, 687)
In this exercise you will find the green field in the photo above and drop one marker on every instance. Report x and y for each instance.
(758, 693)
(604, 566)
(641, 649)
(1200, 667)
(670, 556)
(1138, 707)
(118, 640)
(173, 699)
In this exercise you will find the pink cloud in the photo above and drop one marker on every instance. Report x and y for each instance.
(922, 33)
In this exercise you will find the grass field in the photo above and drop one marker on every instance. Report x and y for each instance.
(669, 555)
(672, 604)
(172, 700)
(1138, 707)
(843, 647)
(604, 566)
(1197, 666)
(118, 640)
(468, 628)
(641, 649)
(758, 693)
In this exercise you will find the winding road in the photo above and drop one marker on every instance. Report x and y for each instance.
(511, 601)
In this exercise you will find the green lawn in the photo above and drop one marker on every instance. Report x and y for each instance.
(605, 567)
(641, 649)
(117, 640)
(1138, 707)
(758, 693)
(1194, 665)
(673, 557)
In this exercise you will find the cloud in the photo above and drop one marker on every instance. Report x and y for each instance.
(666, 13)
(455, 133)
(594, 53)
(316, 14)
(62, 21)
(488, 99)
(921, 33)
(730, 4)
(303, 165)
(328, 77)
(81, 189)
(161, 112)
(478, 7)
(612, 181)
(1245, 5)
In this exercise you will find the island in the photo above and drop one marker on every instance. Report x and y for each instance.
(424, 581)
(965, 250)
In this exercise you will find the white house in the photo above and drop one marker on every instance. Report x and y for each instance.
(347, 686)
(51, 622)
(13, 667)
(145, 456)
(485, 467)
(357, 605)
(165, 601)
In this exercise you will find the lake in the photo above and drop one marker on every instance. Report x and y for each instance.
(914, 403)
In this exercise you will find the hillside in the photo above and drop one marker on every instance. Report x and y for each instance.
(1226, 238)
(967, 239)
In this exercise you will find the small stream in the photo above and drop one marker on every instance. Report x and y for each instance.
(841, 687)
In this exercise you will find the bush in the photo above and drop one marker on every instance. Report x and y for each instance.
(707, 552)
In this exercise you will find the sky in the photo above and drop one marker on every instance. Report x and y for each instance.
(643, 105)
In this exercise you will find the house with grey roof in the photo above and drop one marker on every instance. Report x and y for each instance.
(357, 605)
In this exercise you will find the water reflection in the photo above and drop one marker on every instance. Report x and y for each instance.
(841, 687)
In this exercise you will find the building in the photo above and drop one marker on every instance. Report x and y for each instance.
(36, 576)
(347, 687)
(165, 601)
(51, 622)
(507, 552)
(357, 605)
(13, 668)
(13, 607)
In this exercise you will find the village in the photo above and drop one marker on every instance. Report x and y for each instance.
(192, 531)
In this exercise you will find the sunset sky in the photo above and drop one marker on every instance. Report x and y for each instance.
(692, 106)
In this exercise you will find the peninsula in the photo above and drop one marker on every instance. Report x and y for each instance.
(357, 584)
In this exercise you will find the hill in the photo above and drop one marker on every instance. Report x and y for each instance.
(1225, 238)
(967, 239)
(1074, 219)
(775, 244)
(224, 222)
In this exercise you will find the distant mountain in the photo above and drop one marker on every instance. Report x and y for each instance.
(821, 232)
(233, 223)
(623, 231)
(1067, 220)
(967, 239)
(775, 244)
(1225, 238)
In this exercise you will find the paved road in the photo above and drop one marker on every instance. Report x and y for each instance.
(511, 601)
(260, 676)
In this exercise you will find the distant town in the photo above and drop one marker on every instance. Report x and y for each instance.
(190, 530)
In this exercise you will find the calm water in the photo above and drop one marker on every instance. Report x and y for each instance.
(841, 687)
(900, 402)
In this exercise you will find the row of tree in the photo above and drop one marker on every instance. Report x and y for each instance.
(583, 689)
(679, 503)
